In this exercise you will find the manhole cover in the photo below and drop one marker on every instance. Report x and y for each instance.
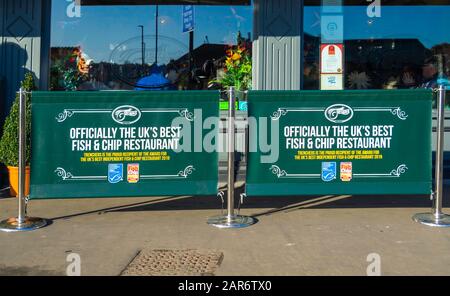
(174, 262)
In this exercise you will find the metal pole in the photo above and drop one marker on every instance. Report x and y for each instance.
(142, 45)
(156, 34)
(436, 217)
(440, 153)
(231, 220)
(22, 222)
(22, 145)
(191, 51)
(230, 150)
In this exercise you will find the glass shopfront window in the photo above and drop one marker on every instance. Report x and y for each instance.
(142, 47)
(100, 47)
(384, 47)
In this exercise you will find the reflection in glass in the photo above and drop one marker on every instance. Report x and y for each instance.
(405, 47)
(128, 47)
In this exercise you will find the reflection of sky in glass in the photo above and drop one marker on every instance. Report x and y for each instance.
(130, 50)
(429, 24)
(102, 28)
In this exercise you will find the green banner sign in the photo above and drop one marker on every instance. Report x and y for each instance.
(344, 142)
(109, 144)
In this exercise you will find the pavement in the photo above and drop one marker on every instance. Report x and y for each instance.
(321, 235)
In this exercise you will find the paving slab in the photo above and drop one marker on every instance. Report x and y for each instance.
(325, 235)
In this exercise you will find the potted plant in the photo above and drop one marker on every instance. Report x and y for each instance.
(237, 70)
(69, 69)
(9, 142)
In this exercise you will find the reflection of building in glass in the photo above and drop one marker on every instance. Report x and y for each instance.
(208, 59)
(375, 63)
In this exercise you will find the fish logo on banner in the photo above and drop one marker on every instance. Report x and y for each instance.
(115, 172)
(339, 113)
(328, 171)
(126, 114)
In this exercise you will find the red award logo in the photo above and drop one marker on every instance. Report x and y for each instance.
(133, 173)
(346, 171)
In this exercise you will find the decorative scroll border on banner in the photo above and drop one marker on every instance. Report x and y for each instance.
(396, 111)
(67, 113)
(395, 173)
(282, 174)
(67, 176)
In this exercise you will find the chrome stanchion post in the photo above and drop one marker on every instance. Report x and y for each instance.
(22, 222)
(231, 220)
(437, 218)
(22, 160)
(230, 151)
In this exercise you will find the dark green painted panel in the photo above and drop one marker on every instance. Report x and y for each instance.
(391, 155)
(67, 126)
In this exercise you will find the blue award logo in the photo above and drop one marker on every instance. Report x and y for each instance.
(115, 172)
(328, 171)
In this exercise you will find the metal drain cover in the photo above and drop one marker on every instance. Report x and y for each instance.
(174, 262)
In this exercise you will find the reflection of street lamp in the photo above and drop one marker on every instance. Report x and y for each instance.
(156, 34)
(142, 44)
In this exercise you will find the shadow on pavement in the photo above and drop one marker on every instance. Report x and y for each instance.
(116, 208)
(269, 205)
(291, 202)
(27, 271)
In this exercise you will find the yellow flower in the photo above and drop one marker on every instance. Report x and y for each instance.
(236, 57)
(83, 66)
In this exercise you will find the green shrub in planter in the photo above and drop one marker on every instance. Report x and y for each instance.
(9, 143)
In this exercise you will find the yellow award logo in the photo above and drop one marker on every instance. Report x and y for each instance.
(133, 173)
(346, 171)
